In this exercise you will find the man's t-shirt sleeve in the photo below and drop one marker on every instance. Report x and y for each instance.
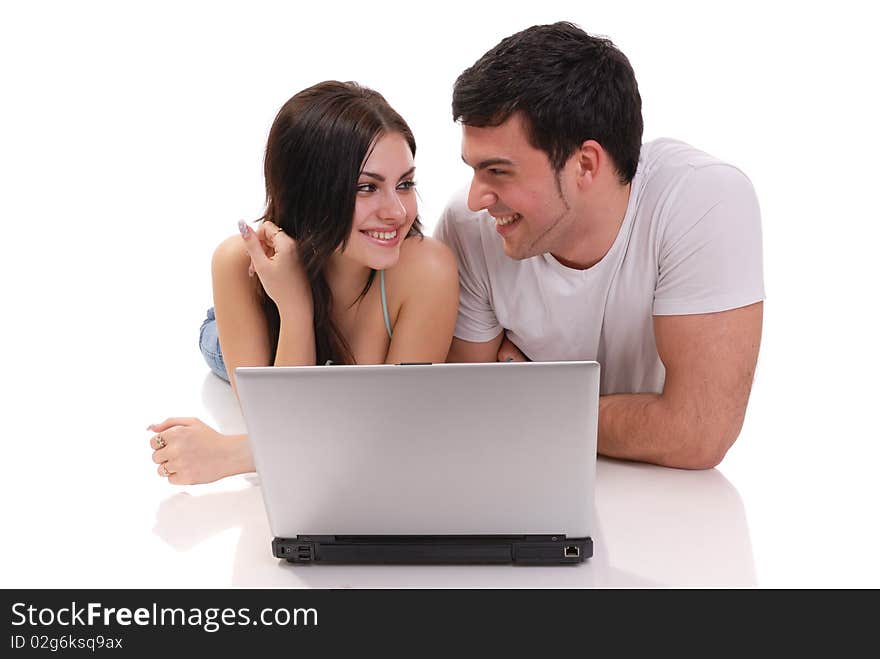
(710, 251)
(459, 230)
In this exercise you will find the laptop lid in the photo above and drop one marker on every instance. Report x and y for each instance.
(440, 449)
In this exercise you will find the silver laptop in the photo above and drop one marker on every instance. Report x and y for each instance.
(426, 463)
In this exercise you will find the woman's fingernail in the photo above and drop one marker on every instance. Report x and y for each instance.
(244, 228)
(509, 359)
(150, 427)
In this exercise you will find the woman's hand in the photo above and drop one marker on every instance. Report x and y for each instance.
(275, 261)
(508, 352)
(189, 452)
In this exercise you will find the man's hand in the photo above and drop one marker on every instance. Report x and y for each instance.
(499, 349)
(508, 352)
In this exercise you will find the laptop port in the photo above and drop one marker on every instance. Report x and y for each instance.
(571, 551)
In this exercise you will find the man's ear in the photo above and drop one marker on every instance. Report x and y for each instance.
(589, 157)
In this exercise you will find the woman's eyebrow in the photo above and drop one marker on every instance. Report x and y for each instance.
(381, 178)
(408, 172)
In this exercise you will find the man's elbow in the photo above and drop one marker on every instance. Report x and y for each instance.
(704, 448)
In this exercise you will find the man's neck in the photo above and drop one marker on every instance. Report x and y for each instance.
(594, 233)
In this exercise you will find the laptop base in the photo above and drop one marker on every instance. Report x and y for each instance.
(434, 549)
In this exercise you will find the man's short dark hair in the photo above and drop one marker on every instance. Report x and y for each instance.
(570, 86)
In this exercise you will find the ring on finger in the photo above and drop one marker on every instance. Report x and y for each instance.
(164, 469)
(160, 441)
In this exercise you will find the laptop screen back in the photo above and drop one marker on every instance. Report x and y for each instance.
(442, 449)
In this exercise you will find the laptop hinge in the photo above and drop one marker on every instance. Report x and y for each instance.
(524, 549)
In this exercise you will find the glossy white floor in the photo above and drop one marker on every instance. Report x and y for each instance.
(133, 146)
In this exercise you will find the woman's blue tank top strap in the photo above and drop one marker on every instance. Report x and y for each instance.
(384, 302)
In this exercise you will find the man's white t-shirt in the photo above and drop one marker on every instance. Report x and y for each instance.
(690, 243)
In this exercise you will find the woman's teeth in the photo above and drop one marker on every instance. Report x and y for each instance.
(506, 219)
(382, 235)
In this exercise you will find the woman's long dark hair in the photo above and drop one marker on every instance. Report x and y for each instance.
(317, 148)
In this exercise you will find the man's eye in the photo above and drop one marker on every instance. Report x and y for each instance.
(496, 172)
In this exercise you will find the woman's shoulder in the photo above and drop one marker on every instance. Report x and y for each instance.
(229, 269)
(426, 270)
(425, 254)
(230, 255)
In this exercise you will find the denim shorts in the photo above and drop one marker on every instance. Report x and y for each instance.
(209, 344)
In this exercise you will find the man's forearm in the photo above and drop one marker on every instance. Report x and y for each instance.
(647, 428)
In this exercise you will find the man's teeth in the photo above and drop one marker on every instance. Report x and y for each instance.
(506, 219)
(383, 235)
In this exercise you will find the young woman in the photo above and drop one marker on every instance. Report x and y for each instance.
(338, 270)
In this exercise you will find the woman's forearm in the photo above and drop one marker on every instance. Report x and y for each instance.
(296, 338)
(239, 457)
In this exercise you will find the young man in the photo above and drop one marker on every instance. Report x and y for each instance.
(576, 241)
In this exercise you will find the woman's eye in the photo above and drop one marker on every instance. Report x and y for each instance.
(406, 185)
(366, 187)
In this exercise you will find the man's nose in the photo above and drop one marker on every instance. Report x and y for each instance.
(480, 196)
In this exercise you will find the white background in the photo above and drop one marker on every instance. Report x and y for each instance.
(131, 142)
